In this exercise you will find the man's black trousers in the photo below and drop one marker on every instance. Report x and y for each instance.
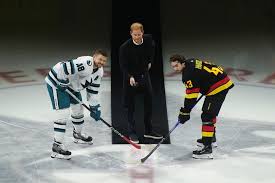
(144, 87)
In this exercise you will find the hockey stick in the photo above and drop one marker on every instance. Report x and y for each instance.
(163, 139)
(110, 126)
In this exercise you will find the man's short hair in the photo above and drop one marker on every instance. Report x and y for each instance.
(100, 52)
(177, 57)
(135, 26)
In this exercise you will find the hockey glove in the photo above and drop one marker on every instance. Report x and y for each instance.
(95, 112)
(184, 115)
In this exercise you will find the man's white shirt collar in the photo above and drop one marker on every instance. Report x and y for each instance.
(137, 43)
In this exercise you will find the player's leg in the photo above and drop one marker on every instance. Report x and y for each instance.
(207, 135)
(60, 103)
(212, 106)
(214, 140)
(58, 149)
(211, 109)
(77, 117)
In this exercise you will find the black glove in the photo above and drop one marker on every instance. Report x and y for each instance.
(184, 115)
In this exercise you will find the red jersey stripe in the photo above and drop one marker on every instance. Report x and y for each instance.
(207, 128)
(219, 83)
(194, 90)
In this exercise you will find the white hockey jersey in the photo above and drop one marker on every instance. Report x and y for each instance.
(78, 74)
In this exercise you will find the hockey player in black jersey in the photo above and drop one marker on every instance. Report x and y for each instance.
(209, 80)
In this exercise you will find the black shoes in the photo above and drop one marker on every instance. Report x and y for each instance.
(153, 135)
(134, 138)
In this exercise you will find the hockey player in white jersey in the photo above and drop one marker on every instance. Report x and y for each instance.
(85, 72)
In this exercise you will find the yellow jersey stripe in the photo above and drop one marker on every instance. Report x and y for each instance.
(192, 95)
(207, 134)
(221, 88)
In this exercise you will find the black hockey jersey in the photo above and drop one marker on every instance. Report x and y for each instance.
(205, 78)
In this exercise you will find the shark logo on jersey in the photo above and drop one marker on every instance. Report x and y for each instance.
(89, 62)
(87, 83)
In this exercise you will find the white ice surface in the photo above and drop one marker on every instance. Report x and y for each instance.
(170, 163)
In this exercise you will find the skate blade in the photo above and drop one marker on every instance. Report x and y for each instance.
(214, 145)
(78, 141)
(203, 156)
(60, 156)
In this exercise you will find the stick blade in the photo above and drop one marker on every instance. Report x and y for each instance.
(143, 160)
(137, 146)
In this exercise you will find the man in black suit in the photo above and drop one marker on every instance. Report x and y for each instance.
(136, 56)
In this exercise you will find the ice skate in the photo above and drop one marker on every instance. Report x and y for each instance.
(59, 151)
(81, 138)
(204, 153)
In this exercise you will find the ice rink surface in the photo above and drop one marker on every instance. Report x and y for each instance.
(246, 140)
